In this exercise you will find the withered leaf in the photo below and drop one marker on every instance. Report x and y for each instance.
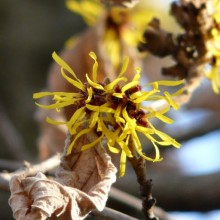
(83, 182)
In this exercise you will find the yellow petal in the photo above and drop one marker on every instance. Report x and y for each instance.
(51, 121)
(95, 142)
(101, 108)
(160, 116)
(75, 83)
(125, 148)
(144, 97)
(144, 130)
(179, 92)
(111, 85)
(75, 117)
(157, 153)
(170, 83)
(82, 132)
(64, 65)
(55, 105)
(94, 119)
(124, 66)
(122, 164)
(113, 149)
(90, 93)
(117, 115)
(95, 66)
(170, 100)
(139, 151)
(39, 95)
(94, 84)
(167, 138)
(130, 121)
(129, 85)
(89, 10)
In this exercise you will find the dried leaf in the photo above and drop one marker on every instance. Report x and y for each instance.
(37, 197)
(84, 169)
(82, 185)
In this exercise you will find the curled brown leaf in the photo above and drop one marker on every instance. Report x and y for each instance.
(83, 182)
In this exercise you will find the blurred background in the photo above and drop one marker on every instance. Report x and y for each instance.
(29, 32)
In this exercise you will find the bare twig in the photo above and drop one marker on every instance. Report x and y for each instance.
(125, 198)
(135, 203)
(148, 202)
(188, 130)
(43, 167)
(116, 194)
(10, 165)
(188, 49)
(187, 193)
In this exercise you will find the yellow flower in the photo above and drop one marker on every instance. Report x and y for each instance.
(214, 48)
(90, 10)
(114, 110)
(120, 24)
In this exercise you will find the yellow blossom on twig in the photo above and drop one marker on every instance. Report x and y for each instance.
(214, 48)
(114, 110)
(90, 10)
(121, 24)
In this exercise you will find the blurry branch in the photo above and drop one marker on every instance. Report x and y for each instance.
(15, 143)
(54, 161)
(184, 197)
(187, 193)
(204, 125)
(30, 170)
(125, 198)
(111, 214)
(189, 48)
(135, 204)
(10, 165)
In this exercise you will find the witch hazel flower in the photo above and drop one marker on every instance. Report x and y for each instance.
(117, 111)
(213, 46)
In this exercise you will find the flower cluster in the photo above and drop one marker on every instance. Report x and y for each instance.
(114, 110)
(214, 48)
(120, 24)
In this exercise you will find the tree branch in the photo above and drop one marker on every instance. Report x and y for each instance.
(30, 170)
(197, 193)
(148, 202)
(116, 194)
(135, 203)
(10, 165)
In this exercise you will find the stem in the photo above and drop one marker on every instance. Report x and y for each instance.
(148, 202)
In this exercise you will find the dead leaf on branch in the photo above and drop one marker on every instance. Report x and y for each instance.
(37, 198)
(85, 169)
(83, 182)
